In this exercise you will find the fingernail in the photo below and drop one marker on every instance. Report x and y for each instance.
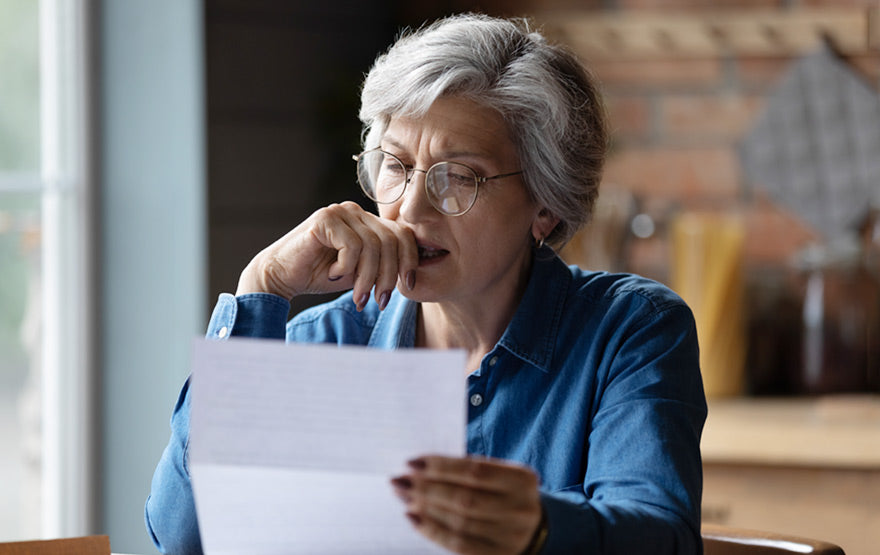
(404, 496)
(411, 280)
(334, 278)
(362, 301)
(383, 299)
(414, 518)
(402, 482)
(417, 464)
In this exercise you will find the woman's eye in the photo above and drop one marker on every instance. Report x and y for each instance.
(460, 180)
(392, 168)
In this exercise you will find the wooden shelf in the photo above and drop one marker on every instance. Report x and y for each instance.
(826, 432)
(711, 33)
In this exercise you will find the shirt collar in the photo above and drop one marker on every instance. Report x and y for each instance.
(531, 334)
(396, 325)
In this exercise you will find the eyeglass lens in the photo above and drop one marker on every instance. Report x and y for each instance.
(451, 187)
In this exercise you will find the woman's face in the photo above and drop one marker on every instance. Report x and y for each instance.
(483, 255)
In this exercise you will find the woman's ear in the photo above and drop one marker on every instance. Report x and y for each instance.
(544, 224)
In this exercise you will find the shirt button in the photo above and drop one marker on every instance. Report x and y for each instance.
(476, 399)
(493, 361)
(222, 332)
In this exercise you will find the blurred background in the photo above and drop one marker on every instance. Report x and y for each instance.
(148, 149)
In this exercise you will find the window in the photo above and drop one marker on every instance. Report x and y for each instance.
(45, 320)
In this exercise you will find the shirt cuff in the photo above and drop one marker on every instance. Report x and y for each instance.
(261, 315)
(567, 529)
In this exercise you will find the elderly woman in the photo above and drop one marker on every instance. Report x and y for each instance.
(484, 146)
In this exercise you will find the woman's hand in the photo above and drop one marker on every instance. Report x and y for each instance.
(472, 505)
(338, 247)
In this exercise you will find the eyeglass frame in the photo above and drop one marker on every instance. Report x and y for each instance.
(478, 179)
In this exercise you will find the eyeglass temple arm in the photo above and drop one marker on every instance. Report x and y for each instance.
(499, 176)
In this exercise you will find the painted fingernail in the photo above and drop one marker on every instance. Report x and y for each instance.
(334, 278)
(411, 280)
(402, 482)
(404, 496)
(362, 301)
(414, 518)
(383, 299)
(417, 464)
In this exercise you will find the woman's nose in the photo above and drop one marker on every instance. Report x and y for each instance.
(414, 204)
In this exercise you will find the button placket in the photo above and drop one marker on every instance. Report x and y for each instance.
(476, 404)
(476, 399)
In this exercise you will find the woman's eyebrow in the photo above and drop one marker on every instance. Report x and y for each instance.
(445, 153)
(391, 141)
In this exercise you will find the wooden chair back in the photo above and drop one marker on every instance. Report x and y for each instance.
(726, 540)
(85, 545)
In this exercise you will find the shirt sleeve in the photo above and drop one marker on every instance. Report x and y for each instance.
(643, 482)
(259, 315)
(170, 512)
(170, 509)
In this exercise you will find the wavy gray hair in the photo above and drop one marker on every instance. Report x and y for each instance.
(550, 102)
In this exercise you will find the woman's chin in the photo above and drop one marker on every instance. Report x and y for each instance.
(419, 294)
(428, 289)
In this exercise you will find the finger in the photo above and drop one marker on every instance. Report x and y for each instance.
(506, 519)
(500, 518)
(407, 257)
(468, 501)
(335, 231)
(484, 473)
(368, 263)
(386, 278)
(512, 532)
(378, 265)
(355, 234)
(452, 540)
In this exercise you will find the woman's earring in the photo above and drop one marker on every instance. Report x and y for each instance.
(539, 243)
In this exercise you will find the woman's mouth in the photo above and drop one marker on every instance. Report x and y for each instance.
(430, 254)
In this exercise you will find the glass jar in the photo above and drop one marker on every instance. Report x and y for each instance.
(839, 335)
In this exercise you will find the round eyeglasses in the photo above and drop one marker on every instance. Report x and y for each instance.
(451, 187)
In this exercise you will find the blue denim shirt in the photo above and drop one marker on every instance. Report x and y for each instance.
(595, 385)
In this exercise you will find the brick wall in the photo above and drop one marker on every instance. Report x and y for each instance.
(677, 122)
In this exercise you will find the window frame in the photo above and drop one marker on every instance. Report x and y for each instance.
(69, 375)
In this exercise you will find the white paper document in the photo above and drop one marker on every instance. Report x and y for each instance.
(292, 446)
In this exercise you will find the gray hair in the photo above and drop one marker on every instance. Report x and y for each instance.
(550, 102)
